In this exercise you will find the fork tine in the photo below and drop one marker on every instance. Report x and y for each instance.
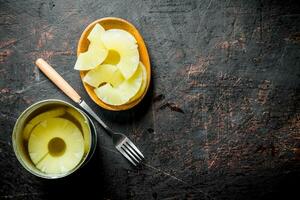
(132, 151)
(126, 156)
(135, 148)
(126, 149)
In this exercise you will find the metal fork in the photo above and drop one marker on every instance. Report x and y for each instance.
(121, 142)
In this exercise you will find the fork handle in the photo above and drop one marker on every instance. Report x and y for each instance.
(57, 80)
(68, 90)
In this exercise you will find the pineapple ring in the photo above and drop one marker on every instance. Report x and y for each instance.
(125, 45)
(122, 93)
(56, 146)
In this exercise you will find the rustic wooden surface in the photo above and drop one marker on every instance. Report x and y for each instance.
(222, 117)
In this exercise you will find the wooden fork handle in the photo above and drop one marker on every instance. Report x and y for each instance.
(57, 80)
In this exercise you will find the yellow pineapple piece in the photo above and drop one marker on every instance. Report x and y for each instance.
(56, 146)
(144, 84)
(84, 126)
(124, 33)
(122, 93)
(104, 74)
(96, 52)
(125, 45)
(41, 117)
(96, 33)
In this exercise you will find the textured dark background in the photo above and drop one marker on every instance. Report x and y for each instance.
(220, 121)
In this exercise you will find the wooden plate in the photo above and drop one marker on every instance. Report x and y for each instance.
(115, 23)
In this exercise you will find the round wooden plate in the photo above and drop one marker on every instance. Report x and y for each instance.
(115, 23)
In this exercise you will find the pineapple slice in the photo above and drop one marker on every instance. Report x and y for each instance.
(122, 93)
(84, 127)
(143, 86)
(90, 59)
(41, 117)
(104, 74)
(96, 33)
(56, 146)
(96, 52)
(125, 45)
(110, 95)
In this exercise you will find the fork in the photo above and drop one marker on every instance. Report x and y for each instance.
(122, 143)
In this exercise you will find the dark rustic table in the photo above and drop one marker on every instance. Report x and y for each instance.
(220, 121)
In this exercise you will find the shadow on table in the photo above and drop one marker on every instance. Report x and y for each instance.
(87, 181)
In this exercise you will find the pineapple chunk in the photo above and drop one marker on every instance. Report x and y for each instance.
(122, 93)
(41, 117)
(125, 45)
(96, 53)
(143, 86)
(84, 127)
(56, 146)
(104, 74)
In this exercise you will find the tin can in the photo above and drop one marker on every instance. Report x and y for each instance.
(20, 145)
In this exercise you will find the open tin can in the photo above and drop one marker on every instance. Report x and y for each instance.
(80, 119)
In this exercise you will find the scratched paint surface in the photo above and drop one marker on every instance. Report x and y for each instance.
(221, 119)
